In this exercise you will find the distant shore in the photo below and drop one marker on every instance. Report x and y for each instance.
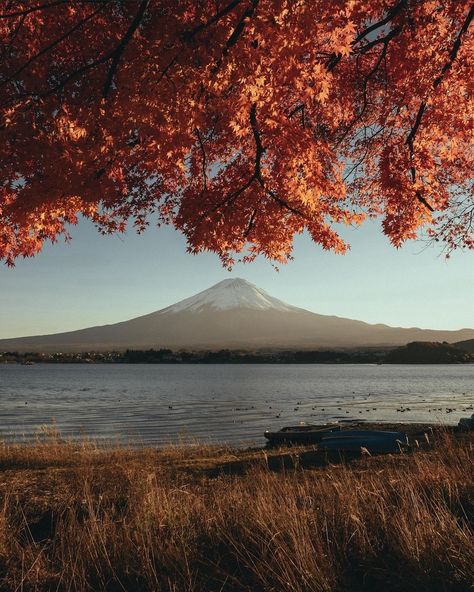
(412, 353)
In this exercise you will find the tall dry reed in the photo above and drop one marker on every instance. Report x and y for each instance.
(83, 517)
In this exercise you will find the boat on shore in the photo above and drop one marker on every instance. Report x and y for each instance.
(334, 437)
(368, 441)
(466, 423)
(300, 434)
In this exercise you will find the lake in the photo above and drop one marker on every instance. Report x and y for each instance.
(222, 403)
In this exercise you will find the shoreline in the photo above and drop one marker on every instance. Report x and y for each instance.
(50, 432)
(230, 363)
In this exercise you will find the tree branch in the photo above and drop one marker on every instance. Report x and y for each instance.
(189, 34)
(113, 55)
(38, 7)
(247, 14)
(27, 11)
(258, 168)
(8, 48)
(259, 149)
(234, 36)
(118, 51)
(164, 72)
(204, 159)
(285, 204)
(76, 74)
(422, 108)
(457, 44)
(391, 14)
(374, 70)
(257, 173)
(54, 43)
(411, 136)
(385, 40)
(251, 223)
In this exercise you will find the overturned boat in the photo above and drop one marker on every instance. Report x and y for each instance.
(301, 434)
(466, 423)
(368, 441)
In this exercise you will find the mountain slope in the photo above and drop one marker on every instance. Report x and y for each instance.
(465, 345)
(231, 314)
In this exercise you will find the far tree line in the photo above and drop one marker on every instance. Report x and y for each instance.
(412, 353)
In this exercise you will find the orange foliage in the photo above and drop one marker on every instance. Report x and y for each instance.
(240, 122)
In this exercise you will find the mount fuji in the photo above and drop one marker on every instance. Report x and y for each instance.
(232, 314)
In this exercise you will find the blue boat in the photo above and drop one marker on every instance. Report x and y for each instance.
(300, 434)
(372, 441)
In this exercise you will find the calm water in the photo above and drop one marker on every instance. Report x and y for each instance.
(225, 403)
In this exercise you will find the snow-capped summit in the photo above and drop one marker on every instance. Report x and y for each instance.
(230, 294)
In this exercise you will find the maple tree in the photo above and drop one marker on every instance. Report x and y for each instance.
(240, 122)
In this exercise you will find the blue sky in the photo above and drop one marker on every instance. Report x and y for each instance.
(97, 280)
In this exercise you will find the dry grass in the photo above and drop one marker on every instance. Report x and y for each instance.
(78, 516)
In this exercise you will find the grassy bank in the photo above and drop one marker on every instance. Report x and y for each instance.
(82, 517)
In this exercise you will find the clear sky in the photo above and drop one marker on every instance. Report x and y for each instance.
(98, 280)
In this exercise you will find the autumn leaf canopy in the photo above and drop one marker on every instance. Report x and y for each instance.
(239, 122)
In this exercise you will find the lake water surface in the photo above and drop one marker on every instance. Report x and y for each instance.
(222, 403)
